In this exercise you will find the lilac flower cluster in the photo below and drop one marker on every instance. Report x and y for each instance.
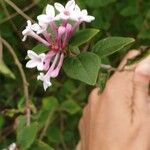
(57, 40)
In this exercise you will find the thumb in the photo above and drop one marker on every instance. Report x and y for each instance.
(141, 86)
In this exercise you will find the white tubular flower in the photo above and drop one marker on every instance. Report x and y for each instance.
(46, 81)
(81, 15)
(36, 60)
(30, 28)
(45, 19)
(13, 146)
(27, 31)
(65, 12)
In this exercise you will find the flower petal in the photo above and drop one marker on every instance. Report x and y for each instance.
(32, 54)
(89, 18)
(29, 23)
(42, 56)
(24, 38)
(84, 12)
(46, 84)
(50, 11)
(58, 17)
(40, 67)
(59, 7)
(42, 19)
(64, 17)
(70, 5)
(35, 27)
(77, 9)
(31, 64)
(40, 76)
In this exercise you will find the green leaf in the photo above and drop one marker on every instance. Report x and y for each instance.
(103, 77)
(40, 145)
(71, 107)
(75, 50)
(83, 36)
(40, 48)
(5, 70)
(54, 134)
(111, 45)
(129, 11)
(84, 67)
(49, 103)
(27, 135)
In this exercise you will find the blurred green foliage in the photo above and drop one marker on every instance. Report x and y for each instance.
(56, 113)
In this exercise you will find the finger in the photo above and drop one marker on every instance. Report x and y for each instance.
(141, 85)
(86, 121)
(79, 146)
(94, 97)
(121, 82)
(131, 54)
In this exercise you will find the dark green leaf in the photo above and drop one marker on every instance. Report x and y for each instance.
(54, 134)
(40, 48)
(84, 67)
(40, 145)
(83, 36)
(27, 135)
(49, 103)
(71, 107)
(75, 50)
(111, 45)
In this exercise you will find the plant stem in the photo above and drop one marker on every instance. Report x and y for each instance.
(9, 2)
(23, 76)
(1, 49)
(15, 14)
(110, 68)
(48, 122)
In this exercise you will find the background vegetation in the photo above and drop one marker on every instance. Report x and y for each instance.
(56, 112)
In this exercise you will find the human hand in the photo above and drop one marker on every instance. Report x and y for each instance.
(119, 118)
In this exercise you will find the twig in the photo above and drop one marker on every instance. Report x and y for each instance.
(23, 76)
(16, 14)
(18, 10)
(7, 14)
(11, 21)
(1, 49)
(110, 68)
(62, 130)
(48, 121)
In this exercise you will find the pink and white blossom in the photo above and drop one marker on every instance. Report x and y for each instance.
(65, 12)
(45, 19)
(50, 63)
(30, 31)
(81, 15)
